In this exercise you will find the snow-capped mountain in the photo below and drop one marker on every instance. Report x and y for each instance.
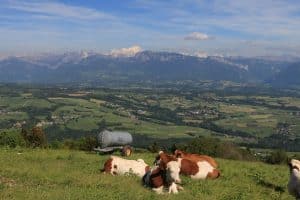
(135, 65)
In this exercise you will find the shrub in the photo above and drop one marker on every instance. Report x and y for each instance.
(216, 148)
(277, 157)
(154, 148)
(70, 144)
(56, 145)
(87, 143)
(295, 156)
(11, 139)
(203, 145)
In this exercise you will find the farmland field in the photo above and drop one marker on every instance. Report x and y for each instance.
(64, 174)
(237, 114)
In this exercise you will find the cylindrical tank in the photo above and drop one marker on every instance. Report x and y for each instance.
(114, 138)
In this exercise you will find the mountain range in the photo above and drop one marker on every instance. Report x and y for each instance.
(289, 76)
(146, 66)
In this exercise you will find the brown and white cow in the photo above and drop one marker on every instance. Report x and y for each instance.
(196, 170)
(294, 182)
(158, 179)
(195, 157)
(119, 166)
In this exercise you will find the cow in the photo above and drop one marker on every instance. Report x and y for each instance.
(158, 179)
(196, 170)
(119, 166)
(294, 182)
(195, 157)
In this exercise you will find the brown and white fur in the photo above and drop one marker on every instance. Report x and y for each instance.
(195, 157)
(157, 179)
(196, 170)
(119, 166)
(294, 183)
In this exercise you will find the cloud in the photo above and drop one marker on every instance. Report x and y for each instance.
(126, 52)
(197, 36)
(159, 24)
(57, 9)
(200, 54)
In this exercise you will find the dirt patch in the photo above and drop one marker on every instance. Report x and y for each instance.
(7, 181)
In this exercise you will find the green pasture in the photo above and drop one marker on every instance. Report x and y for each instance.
(64, 174)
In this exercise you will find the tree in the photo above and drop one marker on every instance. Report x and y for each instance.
(35, 138)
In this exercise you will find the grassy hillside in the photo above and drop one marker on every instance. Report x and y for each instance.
(64, 174)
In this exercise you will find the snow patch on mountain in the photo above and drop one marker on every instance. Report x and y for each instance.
(223, 60)
(126, 52)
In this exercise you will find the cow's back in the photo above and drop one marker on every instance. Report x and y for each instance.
(200, 158)
(123, 166)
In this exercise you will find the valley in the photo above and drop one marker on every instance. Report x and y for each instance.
(171, 113)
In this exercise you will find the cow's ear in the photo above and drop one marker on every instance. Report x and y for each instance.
(157, 160)
(178, 154)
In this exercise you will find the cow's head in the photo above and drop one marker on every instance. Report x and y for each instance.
(157, 158)
(170, 164)
(173, 170)
(295, 167)
(178, 153)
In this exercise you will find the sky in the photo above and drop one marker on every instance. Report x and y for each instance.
(213, 27)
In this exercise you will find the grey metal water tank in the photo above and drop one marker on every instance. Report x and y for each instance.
(114, 138)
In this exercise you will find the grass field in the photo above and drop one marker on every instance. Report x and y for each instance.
(68, 113)
(64, 174)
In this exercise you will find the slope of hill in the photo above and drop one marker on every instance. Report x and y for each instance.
(20, 70)
(260, 69)
(64, 174)
(289, 76)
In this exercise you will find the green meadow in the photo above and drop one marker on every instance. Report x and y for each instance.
(65, 174)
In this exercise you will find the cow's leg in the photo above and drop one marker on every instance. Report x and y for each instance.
(173, 188)
(179, 187)
(158, 190)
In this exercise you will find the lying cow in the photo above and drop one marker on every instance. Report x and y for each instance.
(119, 166)
(294, 183)
(195, 157)
(158, 179)
(196, 170)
